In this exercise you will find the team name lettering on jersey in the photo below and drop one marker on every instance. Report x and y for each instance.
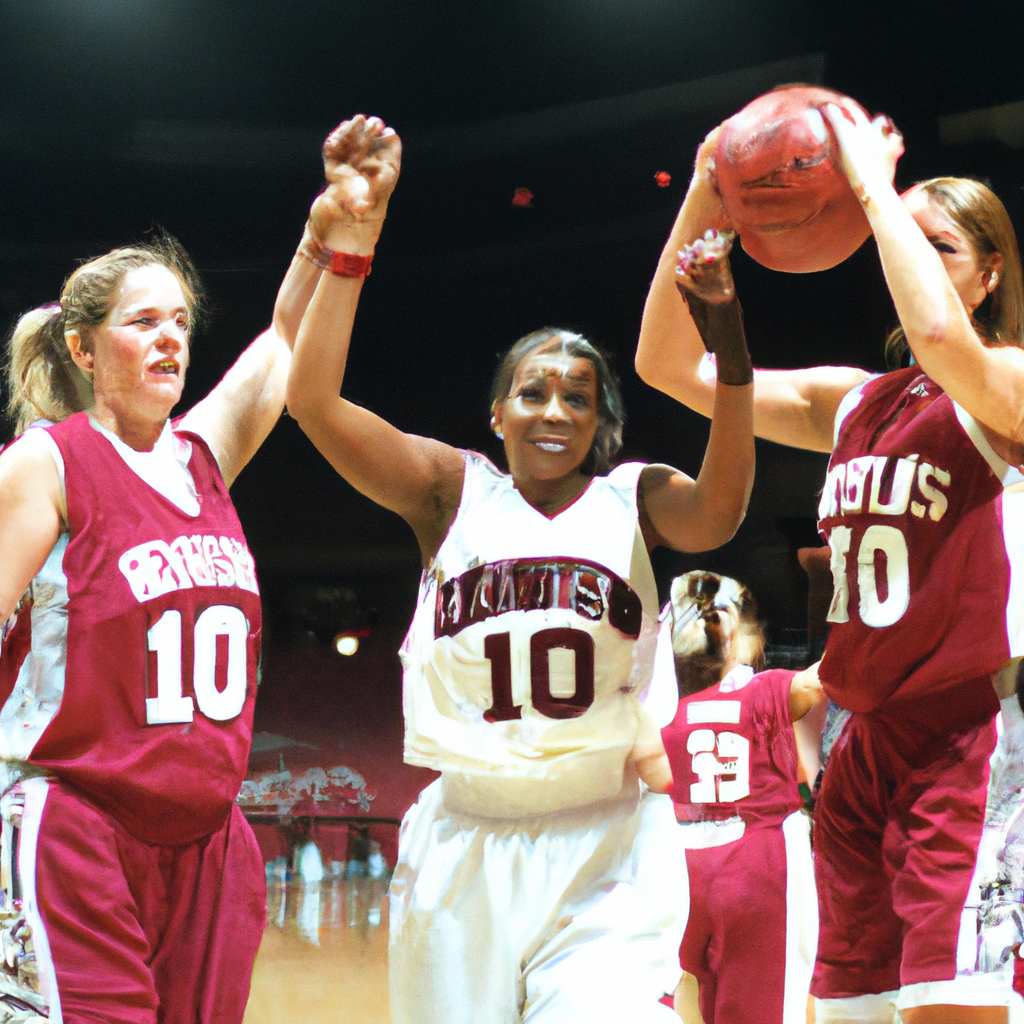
(885, 485)
(533, 584)
(155, 567)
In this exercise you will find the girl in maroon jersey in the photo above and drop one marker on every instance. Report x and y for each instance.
(927, 559)
(133, 888)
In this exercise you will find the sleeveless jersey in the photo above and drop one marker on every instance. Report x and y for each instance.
(532, 639)
(927, 546)
(130, 671)
(733, 752)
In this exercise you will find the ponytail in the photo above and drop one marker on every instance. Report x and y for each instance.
(42, 381)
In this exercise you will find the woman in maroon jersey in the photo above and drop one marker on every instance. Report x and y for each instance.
(133, 887)
(924, 534)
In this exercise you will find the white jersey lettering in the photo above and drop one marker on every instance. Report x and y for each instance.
(155, 568)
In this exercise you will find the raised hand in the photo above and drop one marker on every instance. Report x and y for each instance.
(868, 150)
(703, 202)
(704, 267)
(704, 279)
(362, 158)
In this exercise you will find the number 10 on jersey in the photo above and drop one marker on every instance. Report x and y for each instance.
(498, 650)
(171, 703)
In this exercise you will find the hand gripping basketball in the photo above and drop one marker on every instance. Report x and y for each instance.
(783, 181)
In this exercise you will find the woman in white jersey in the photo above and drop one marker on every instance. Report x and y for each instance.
(132, 886)
(927, 550)
(538, 879)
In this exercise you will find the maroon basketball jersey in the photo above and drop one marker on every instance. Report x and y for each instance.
(923, 543)
(163, 630)
(733, 752)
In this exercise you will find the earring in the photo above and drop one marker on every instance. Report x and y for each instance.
(499, 435)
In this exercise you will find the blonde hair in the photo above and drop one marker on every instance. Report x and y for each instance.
(979, 213)
(42, 380)
(701, 648)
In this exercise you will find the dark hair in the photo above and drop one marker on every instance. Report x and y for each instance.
(610, 412)
(979, 213)
(42, 380)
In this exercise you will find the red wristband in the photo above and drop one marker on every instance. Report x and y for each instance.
(343, 264)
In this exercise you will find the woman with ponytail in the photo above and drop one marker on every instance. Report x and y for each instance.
(133, 887)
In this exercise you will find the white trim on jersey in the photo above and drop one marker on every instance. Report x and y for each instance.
(54, 451)
(849, 402)
(1003, 470)
(1013, 538)
(35, 791)
(39, 689)
(992, 989)
(165, 468)
(708, 834)
(801, 917)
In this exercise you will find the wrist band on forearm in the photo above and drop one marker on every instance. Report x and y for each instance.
(721, 330)
(342, 264)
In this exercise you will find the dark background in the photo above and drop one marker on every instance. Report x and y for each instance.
(205, 118)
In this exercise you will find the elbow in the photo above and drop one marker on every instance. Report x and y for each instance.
(727, 528)
(646, 366)
(299, 407)
(929, 332)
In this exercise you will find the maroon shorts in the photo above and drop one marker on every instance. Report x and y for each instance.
(135, 932)
(735, 939)
(897, 828)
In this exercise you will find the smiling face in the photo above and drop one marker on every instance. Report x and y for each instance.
(549, 417)
(972, 275)
(138, 356)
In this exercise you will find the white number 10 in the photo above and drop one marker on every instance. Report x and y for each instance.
(170, 703)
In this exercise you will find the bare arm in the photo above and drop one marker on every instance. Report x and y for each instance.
(30, 517)
(649, 755)
(794, 407)
(987, 380)
(695, 515)
(416, 477)
(238, 414)
(805, 692)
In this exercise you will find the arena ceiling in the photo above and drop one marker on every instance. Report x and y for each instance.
(205, 117)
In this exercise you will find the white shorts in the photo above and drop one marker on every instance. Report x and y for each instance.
(560, 918)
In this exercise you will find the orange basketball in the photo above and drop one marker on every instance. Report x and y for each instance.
(782, 186)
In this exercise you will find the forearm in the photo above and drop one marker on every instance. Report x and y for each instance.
(670, 348)
(987, 381)
(294, 296)
(723, 486)
(321, 349)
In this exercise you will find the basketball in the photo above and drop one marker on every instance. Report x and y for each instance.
(782, 186)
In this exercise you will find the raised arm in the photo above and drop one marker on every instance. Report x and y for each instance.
(416, 477)
(795, 407)
(238, 414)
(696, 515)
(985, 376)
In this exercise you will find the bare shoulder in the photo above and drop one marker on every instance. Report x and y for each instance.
(29, 458)
(445, 473)
(805, 691)
(657, 476)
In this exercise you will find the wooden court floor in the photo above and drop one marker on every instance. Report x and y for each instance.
(323, 958)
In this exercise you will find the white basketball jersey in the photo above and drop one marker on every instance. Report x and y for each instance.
(532, 640)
